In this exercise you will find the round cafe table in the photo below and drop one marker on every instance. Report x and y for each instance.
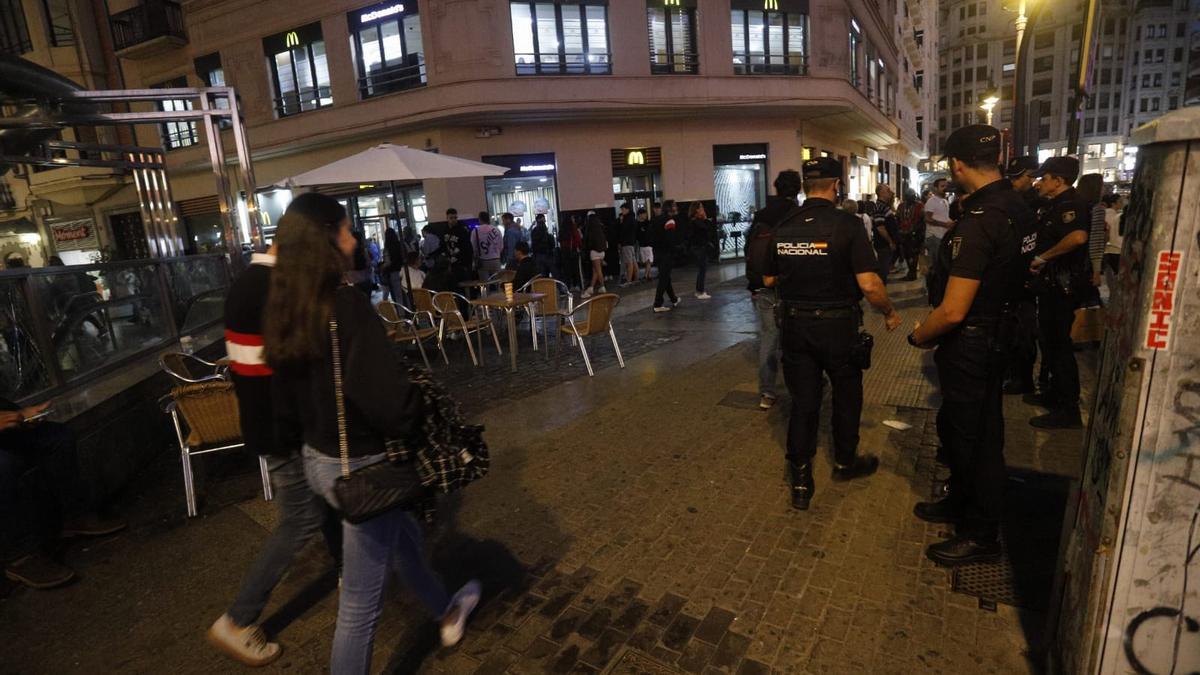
(509, 304)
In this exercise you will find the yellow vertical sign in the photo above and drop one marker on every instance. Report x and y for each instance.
(771, 4)
(635, 157)
(292, 40)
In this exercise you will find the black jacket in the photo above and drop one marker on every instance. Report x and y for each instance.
(666, 238)
(380, 402)
(761, 237)
(593, 237)
(526, 270)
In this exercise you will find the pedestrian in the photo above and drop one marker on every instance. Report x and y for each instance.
(393, 262)
(760, 238)
(430, 246)
(514, 232)
(570, 243)
(359, 274)
(458, 250)
(302, 514)
(822, 266)
(627, 227)
(984, 271)
(487, 245)
(1111, 262)
(886, 230)
(645, 243)
(541, 244)
(667, 233)
(937, 220)
(1091, 189)
(851, 206)
(1065, 278)
(597, 245)
(305, 303)
(700, 236)
(911, 219)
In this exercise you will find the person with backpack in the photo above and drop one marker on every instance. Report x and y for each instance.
(542, 246)
(759, 240)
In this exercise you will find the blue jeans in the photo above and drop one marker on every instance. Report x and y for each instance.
(768, 342)
(392, 541)
(302, 513)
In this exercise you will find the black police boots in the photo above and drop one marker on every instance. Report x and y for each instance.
(863, 466)
(1063, 418)
(802, 486)
(941, 511)
(962, 550)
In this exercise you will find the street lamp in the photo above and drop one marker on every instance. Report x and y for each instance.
(990, 98)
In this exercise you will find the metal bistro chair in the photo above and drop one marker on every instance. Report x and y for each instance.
(599, 320)
(423, 300)
(451, 320)
(209, 410)
(551, 305)
(189, 369)
(409, 330)
(503, 277)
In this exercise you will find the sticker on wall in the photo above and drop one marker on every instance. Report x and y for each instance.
(1162, 306)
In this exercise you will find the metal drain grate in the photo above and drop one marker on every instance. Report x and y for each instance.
(993, 582)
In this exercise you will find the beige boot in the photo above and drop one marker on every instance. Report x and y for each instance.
(248, 645)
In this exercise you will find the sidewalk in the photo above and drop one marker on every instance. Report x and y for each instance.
(635, 522)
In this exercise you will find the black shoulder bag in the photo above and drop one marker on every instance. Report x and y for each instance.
(376, 489)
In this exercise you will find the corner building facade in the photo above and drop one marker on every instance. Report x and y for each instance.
(588, 102)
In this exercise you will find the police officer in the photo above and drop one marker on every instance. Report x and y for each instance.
(822, 265)
(983, 271)
(1019, 378)
(1064, 276)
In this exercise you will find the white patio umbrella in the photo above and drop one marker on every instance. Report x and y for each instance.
(387, 162)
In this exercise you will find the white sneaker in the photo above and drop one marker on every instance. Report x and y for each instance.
(766, 402)
(603, 289)
(461, 606)
(587, 293)
(703, 296)
(677, 301)
(248, 645)
(660, 310)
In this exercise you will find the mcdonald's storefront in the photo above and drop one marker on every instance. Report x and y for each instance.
(529, 188)
(637, 176)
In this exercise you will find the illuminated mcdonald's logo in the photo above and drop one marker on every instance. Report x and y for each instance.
(671, 3)
(635, 157)
(771, 4)
(292, 40)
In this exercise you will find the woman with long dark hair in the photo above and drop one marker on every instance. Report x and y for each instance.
(308, 292)
(700, 235)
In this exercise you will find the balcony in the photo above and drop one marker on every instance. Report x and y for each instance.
(148, 30)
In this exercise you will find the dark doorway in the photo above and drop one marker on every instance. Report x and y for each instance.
(129, 236)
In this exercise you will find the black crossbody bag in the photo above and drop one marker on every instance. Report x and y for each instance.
(376, 489)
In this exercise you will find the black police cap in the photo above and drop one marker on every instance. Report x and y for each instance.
(1019, 165)
(821, 167)
(973, 143)
(1066, 168)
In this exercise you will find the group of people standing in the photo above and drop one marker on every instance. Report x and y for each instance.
(1004, 270)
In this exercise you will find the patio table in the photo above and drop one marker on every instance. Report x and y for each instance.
(509, 305)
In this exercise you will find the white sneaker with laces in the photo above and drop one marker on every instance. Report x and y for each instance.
(703, 296)
(677, 301)
(660, 310)
(461, 605)
(587, 293)
(248, 645)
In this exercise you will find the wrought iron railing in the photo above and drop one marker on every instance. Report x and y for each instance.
(149, 20)
(569, 63)
(678, 63)
(769, 64)
(61, 327)
(303, 100)
(380, 81)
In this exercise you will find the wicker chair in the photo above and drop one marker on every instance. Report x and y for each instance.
(551, 305)
(190, 369)
(409, 330)
(423, 300)
(599, 320)
(209, 413)
(451, 320)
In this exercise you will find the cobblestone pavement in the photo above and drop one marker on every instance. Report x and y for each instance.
(635, 522)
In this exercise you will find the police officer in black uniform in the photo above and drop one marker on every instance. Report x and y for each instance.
(983, 269)
(1020, 172)
(1019, 378)
(1064, 278)
(822, 265)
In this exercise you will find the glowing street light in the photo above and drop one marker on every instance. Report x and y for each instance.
(988, 103)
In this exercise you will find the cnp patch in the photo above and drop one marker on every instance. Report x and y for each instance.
(955, 246)
(1068, 216)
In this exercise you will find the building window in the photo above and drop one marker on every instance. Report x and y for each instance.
(1179, 30)
(1144, 106)
(955, 99)
(560, 38)
(1173, 103)
(941, 124)
(1154, 104)
(1158, 79)
(1175, 78)
(774, 42)
(855, 45)
(14, 32)
(58, 22)
(920, 127)
(1102, 125)
(1041, 87)
(1010, 47)
(919, 37)
(1089, 126)
(176, 135)
(968, 75)
(212, 74)
(1105, 76)
(672, 38)
(388, 49)
(919, 80)
(956, 120)
(1043, 40)
(1006, 115)
(1178, 55)
(1043, 63)
(1159, 54)
(957, 78)
(299, 70)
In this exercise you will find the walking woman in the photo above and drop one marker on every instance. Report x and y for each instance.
(597, 245)
(570, 240)
(308, 293)
(700, 236)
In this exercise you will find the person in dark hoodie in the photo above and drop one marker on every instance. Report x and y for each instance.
(596, 244)
(759, 241)
(667, 233)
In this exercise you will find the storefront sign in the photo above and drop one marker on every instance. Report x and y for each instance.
(74, 235)
(1166, 278)
(636, 158)
(739, 153)
(522, 166)
(376, 14)
(797, 6)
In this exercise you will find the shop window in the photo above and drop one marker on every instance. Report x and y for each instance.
(299, 70)
(529, 188)
(855, 45)
(176, 135)
(739, 184)
(58, 22)
(672, 38)
(14, 32)
(560, 38)
(388, 50)
(769, 42)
